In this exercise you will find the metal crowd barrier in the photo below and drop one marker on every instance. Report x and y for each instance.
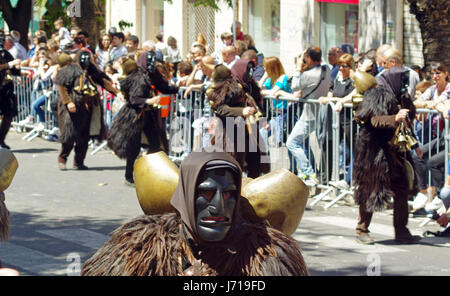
(27, 94)
(189, 127)
(332, 161)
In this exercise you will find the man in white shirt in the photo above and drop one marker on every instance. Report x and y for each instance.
(160, 46)
(312, 85)
(197, 54)
(394, 59)
(229, 56)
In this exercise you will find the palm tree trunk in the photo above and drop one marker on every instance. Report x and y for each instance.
(433, 17)
(18, 18)
(91, 20)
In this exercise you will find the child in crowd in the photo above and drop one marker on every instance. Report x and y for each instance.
(184, 70)
(227, 40)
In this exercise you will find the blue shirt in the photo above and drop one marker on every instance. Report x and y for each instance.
(283, 84)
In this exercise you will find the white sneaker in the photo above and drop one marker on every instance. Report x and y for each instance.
(39, 127)
(26, 121)
(341, 184)
(311, 181)
(434, 205)
(54, 131)
(419, 201)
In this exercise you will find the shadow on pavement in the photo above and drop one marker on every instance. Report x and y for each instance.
(40, 150)
(29, 231)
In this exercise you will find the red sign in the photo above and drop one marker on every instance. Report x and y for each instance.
(340, 1)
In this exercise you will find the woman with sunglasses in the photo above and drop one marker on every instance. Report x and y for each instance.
(436, 95)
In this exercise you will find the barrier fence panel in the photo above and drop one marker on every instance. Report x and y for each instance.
(22, 87)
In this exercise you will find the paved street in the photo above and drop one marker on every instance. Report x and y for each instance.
(59, 219)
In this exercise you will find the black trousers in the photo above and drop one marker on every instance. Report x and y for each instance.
(400, 218)
(130, 166)
(4, 128)
(81, 147)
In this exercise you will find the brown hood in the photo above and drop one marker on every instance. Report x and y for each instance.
(142, 61)
(184, 196)
(239, 70)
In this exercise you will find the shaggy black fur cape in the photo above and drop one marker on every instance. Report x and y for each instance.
(8, 101)
(75, 126)
(156, 246)
(378, 171)
(135, 117)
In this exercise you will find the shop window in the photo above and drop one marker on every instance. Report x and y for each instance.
(339, 25)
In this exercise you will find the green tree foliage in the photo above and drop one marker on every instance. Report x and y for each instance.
(55, 9)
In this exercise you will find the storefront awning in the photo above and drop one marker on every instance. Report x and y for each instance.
(340, 1)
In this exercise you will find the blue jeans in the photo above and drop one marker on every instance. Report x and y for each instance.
(445, 196)
(296, 144)
(276, 127)
(36, 108)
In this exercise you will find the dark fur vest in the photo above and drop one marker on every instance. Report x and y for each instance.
(155, 245)
(75, 126)
(379, 172)
(124, 137)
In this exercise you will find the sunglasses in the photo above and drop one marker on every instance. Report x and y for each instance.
(436, 73)
(344, 66)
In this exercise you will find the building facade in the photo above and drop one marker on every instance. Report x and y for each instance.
(282, 28)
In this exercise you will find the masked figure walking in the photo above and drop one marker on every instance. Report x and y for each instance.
(8, 101)
(205, 236)
(80, 112)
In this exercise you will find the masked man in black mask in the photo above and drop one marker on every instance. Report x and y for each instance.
(139, 123)
(8, 101)
(206, 236)
(79, 108)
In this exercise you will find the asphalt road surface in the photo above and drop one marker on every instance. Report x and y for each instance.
(60, 218)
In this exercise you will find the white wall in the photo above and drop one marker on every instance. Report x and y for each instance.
(297, 30)
(174, 21)
(122, 10)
